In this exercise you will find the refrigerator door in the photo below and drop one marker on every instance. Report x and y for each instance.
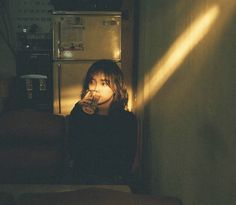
(67, 84)
(87, 36)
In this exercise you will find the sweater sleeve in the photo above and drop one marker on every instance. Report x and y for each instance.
(129, 145)
(74, 124)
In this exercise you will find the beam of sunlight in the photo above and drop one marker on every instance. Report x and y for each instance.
(176, 54)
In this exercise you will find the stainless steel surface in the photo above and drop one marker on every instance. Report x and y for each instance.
(87, 36)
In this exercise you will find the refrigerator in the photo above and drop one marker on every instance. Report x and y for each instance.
(80, 39)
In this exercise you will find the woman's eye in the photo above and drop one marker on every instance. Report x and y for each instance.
(92, 82)
(105, 83)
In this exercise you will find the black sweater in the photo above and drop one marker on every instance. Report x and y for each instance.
(102, 145)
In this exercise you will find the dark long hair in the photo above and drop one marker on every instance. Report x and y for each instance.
(115, 81)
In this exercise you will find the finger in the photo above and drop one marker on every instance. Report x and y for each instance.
(88, 95)
(85, 101)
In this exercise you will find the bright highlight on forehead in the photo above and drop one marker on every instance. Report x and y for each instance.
(101, 75)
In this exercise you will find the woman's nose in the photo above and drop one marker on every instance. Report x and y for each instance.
(96, 88)
(93, 86)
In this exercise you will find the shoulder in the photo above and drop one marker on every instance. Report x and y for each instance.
(125, 116)
(75, 109)
(128, 125)
(129, 115)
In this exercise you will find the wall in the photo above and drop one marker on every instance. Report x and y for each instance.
(20, 15)
(7, 55)
(189, 124)
(7, 62)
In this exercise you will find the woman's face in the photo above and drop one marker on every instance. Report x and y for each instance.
(100, 84)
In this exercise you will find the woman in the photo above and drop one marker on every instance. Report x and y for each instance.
(103, 142)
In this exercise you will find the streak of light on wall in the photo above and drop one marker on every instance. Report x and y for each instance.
(176, 54)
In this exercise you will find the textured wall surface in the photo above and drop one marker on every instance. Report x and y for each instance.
(189, 124)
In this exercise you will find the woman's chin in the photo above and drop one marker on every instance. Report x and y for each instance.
(104, 101)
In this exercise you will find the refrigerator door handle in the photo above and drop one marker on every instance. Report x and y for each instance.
(59, 86)
(59, 48)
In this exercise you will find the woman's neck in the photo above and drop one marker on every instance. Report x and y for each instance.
(103, 109)
(103, 112)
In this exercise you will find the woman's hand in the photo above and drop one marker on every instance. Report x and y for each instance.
(90, 101)
(87, 99)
